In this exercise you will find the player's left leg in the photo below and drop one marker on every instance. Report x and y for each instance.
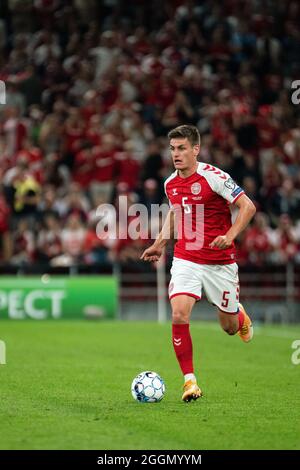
(245, 325)
(229, 322)
(221, 285)
(238, 322)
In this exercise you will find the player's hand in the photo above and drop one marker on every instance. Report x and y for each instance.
(153, 253)
(222, 242)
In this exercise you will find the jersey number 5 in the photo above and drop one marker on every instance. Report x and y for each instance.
(225, 299)
(186, 207)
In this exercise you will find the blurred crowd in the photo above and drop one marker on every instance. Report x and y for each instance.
(92, 89)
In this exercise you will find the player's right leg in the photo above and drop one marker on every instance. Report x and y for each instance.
(184, 290)
(182, 342)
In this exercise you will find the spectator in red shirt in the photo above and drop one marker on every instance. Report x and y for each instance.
(257, 240)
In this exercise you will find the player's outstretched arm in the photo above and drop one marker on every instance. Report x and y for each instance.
(154, 252)
(246, 212)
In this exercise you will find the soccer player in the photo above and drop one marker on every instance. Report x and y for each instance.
(204, 255)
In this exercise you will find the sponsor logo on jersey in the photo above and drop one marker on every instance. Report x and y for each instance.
(230, 184)
(175, 193)
(237, 191)
(196, 188)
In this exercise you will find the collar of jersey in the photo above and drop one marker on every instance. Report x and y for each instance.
(188, 177)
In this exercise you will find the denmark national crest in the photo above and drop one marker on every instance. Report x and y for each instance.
(196, 188)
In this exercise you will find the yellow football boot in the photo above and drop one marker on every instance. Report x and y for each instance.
(246, 332)
(191, 391)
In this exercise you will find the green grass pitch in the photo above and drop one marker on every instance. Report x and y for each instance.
(66, 385)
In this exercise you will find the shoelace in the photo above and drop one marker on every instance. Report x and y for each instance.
(244, 329)
(188, 385)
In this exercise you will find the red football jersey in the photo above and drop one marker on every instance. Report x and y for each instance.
(201, 206)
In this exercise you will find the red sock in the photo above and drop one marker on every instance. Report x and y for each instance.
(183, 347)
(241, 319)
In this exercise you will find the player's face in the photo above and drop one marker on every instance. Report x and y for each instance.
(184, 155)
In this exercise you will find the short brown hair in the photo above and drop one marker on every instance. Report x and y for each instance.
(187, 131)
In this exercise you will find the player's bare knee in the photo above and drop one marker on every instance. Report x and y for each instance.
(229, 326)
(228, 322)
(179, 316)
(230, 329)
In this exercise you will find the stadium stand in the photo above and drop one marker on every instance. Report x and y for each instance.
(92, 88)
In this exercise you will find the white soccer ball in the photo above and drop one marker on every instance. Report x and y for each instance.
(148, 387)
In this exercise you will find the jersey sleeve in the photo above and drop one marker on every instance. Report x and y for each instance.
(169, 202)
(230, 190)
(173, 175)
(222, 183)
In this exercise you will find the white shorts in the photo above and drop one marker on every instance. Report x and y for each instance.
(220, 283)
